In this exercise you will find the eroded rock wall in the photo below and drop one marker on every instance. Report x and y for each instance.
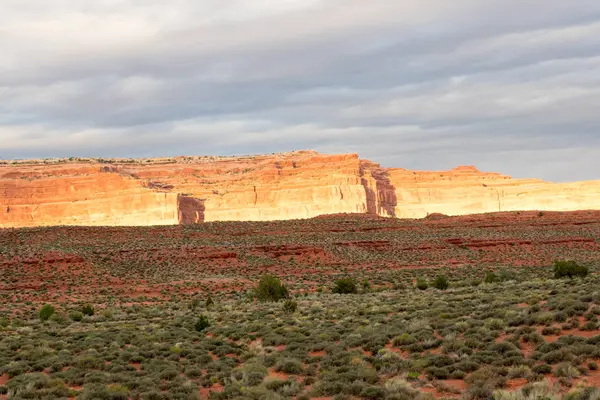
(294, 185)
(465, 190)
(80, 195)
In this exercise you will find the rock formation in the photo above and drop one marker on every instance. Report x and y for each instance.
(301, 184)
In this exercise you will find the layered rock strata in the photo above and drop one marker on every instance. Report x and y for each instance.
(294, 185)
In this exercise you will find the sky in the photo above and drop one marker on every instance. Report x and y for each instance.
(511, 86)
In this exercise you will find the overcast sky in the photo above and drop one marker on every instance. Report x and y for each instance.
(508, 85)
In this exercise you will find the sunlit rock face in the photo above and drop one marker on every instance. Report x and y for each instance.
(79, 195)
(302, 184)
(465, 190)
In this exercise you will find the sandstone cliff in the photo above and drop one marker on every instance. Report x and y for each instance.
(280, 186)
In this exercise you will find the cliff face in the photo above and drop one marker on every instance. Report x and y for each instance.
(79, 195)
(465, 190)
(280, 186)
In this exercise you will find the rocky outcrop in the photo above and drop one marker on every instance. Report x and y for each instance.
(79, 195)
(294, 185)
(466, 190)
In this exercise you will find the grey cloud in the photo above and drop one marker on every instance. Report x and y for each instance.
(511, 86)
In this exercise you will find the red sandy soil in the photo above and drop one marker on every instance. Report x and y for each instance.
(436, 394)
(212, 258)
(214, 263)
(136, 365)
(277, 375)
(527, 349)
(567, 332)
(205, 392)
(592, 379)
(456, 383)
(515, 384)
(3, 379)
(281, 375)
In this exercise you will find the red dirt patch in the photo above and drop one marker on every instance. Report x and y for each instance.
(458, 384)
(205, 392)
(281, 375)
(573, 332)
(437, 394)
(517, 383)
(136, 365)
(527, 349)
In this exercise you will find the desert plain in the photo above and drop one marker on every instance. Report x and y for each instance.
(357, 304)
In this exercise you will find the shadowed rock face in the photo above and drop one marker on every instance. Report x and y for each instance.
(301, 184)
(191, 210)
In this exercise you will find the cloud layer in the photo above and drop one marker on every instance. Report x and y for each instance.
(511, 86)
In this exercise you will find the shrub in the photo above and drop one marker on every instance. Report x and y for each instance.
(491, 277)
(550, 330)
(440, 282)
(209, 302)
(290, 306)
(88, 310)
(46, 312)
(202, 323)
(570, 269)
(289, 366)
(76, 316)
(270, 288)
(506, 275)
(413, 375)
(373, 392)
(195, 302)
(567, 371)
(422, 284)
(345, 286)
(404, 340)
(274, 383)
(542, 369)
(366, 285)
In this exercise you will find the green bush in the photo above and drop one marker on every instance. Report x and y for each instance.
(570, 269)
(76, 316)
(290, 306)
(88, 310)
(270, 288)
(345, 286)
(46, 312)
(289, 366)
(422, 284)
(542, 369)
(202, 323)
(440, 282)
(491, 277)
(373, 392)
(506, 275)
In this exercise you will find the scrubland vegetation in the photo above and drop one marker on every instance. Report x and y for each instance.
(102, 316)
